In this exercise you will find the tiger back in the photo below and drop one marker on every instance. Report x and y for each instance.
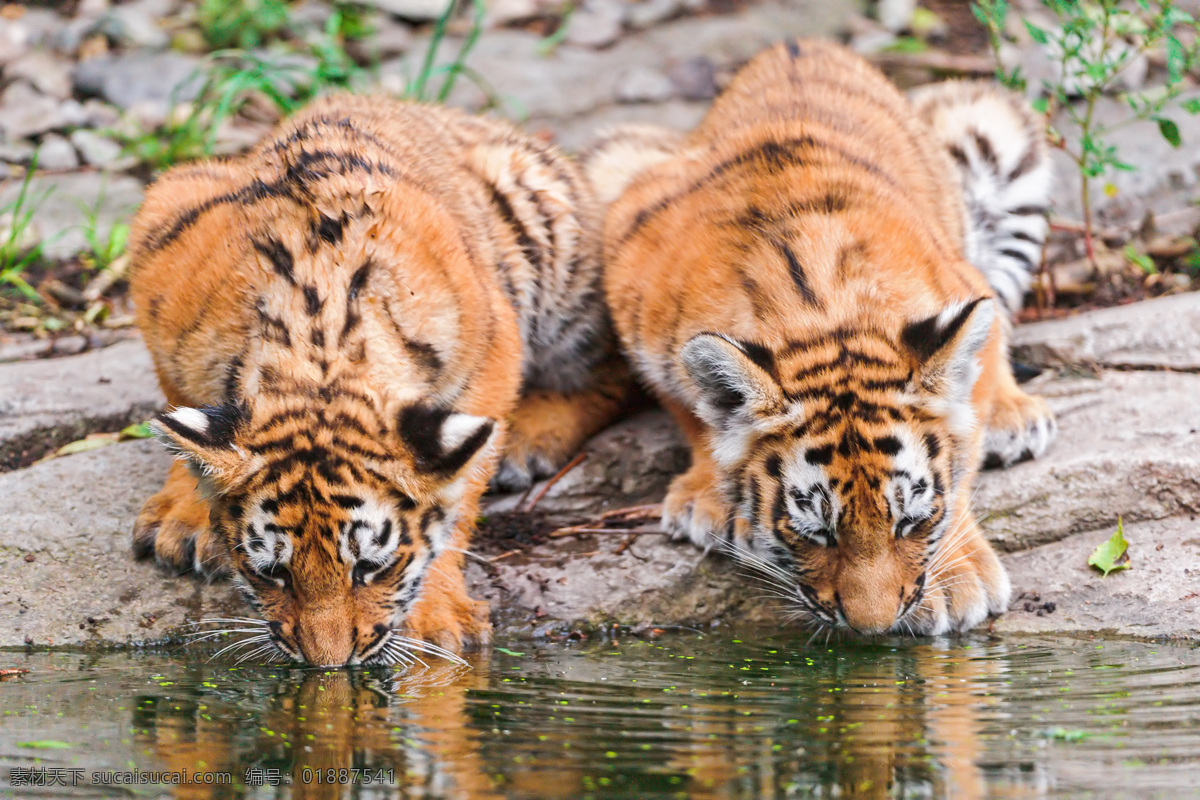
(349, 321)
(791, 280)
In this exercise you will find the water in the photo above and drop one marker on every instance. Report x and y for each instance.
(683, 715)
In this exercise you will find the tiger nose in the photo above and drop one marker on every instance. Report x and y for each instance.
(325, 639)
(866, 615)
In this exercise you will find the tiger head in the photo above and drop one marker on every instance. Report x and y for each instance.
(330, 520)
(849, 459)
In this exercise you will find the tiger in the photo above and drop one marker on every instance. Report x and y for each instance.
(359, 324)
(803, 281)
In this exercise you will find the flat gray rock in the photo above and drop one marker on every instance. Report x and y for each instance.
(53, 401)
(1054, 589)
(67, 576)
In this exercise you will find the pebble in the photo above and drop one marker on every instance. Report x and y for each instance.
(597, 24)
(421, 10)
(14, 40)
(16, 152)
(129, 26)
(56, 153)
(24, 111)
(127, 79)
(695, 78)
(390, 39)
(652, 12)
(95, 149)
(644, 85)
(46, 72)
(506, 12)
(895, 14)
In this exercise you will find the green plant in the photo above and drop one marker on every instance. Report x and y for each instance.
(419, 87)
(242, 23)
(1094, 43)
(103, 248)
(17, 255)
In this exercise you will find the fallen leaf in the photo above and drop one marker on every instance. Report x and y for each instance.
(8, 672)
(1112, 555)
(140, 430)
(508, 652)
(46, 744)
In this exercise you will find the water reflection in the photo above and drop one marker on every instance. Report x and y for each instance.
(685, 716)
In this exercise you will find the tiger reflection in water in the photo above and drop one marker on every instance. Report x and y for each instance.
(897, 725)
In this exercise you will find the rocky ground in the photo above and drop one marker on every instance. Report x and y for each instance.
(80, 81)
(1123, 382)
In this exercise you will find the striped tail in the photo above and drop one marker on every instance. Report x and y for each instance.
(999, 147)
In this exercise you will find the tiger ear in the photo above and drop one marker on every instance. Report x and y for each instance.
(737, 386)
(204, 438)
(442, 441)
(947, 347)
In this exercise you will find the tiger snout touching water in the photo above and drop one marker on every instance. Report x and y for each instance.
(804, 282)
(358, 324)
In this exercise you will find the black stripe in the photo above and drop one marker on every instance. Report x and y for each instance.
(529, 247)
(797, 273)
(984, 146)
(312, 301)
(280, 257)
(1027, 163)
(1017, 255)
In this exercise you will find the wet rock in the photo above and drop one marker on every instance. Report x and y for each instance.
(59, 400)
(96, 150)
(131, 78)
(44, 71)
(1054, 589)
(74, 515)
(56, 153)
(641, 85)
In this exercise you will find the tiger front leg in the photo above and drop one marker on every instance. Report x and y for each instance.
(964, 582)
(696, 508)
(173, 526)
(548, 428)
(444, 614)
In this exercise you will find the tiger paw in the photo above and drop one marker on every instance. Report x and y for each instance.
(543, 433)
(970, 585)
(696, 510)
(1021, 427)
(447, 617)
(173, 527)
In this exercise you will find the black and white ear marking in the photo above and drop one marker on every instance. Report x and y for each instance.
(208, 426)
(732, 376)
(443, 441)
(947, 345)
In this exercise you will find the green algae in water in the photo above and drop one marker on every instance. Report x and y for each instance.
(680, 716)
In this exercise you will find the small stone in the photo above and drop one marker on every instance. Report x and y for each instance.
(91, 8)
(40, 68)
(695, 78)
(129, 26)
(644, 85)
(131, 78)
(895, 15)
(16, 152)
(506, 12)
(391, 38)
(651, 12)
(56, 153)
(30, 558)
(14, 40)
(420, 10)
(596, 25)
(98, 114)
(24, 111)
(95, 149)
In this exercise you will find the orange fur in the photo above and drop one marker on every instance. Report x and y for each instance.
(791, 281)
(346, 319)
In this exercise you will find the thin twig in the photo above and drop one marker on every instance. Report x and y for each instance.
(578, 530)
(572, 464)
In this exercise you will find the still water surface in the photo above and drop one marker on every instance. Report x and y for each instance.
(686, 715)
